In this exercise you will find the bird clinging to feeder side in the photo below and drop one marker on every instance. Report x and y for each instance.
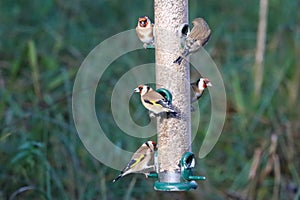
(145, 31)
(142, 161)
(198, 87)
(154, 101)
(197, 38)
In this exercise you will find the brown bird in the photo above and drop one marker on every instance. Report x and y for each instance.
(197, 38)
(145, 31)
(142, 161)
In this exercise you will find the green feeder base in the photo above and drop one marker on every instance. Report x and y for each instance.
(182, 186)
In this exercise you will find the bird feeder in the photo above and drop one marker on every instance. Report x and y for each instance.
(174, 160)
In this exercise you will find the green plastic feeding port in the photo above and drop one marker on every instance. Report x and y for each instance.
(187, 179)
(187, 164)
(166, 94)
(149, 46)
(181, 186)
(152, 175)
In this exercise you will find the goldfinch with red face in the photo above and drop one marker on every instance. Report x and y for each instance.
(153, 101)
(145, 31)
(198, 87)
(197, 38)
(142, 161)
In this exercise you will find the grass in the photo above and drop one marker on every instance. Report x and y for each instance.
(42, 47)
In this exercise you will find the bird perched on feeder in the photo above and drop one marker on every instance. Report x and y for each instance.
(145, 31)
(198, 87)
(142, 161)
(197, 38)
(153, 100)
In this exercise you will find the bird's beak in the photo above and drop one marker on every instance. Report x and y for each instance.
(136, 90)
(209, 84)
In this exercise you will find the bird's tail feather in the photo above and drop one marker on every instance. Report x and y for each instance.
(172, 114)
(178, 60)
(116, 179)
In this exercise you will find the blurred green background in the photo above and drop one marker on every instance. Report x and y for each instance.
(42, 46)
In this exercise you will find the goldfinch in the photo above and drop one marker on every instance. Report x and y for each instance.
(198, 87)
(197, 38)
(153, 101)
(145, 31)
(142, 161)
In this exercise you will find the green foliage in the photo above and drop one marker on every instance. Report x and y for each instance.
(43, 44)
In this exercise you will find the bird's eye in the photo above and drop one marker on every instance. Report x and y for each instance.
(143, 22)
